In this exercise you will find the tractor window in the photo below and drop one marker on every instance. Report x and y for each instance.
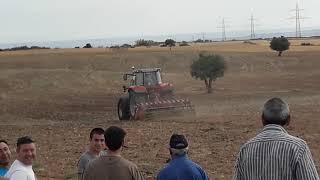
(139, 79)
(150, 78)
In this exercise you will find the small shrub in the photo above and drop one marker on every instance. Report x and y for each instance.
(184, 43)
(306, 44)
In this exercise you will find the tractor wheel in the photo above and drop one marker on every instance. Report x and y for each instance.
(132, 105)
(123, 108)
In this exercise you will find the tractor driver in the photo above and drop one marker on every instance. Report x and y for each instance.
(133, 80)
(148, 79)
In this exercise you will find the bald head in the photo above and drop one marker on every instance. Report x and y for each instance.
(276, 111)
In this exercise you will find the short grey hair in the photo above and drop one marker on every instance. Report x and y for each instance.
(276, 111)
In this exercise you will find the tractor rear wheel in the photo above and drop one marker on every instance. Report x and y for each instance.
(123, 108)
(132, 105)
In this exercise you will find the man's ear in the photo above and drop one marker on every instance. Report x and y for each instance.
(263, 120)
(18, 149)
(288, 120)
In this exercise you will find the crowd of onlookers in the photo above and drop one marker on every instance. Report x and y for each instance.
(273, 154)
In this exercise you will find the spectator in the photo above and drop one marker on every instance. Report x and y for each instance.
(5, 156)
(21, 168)
(273, 153)
(96, 145)
(112, 166)
(181, 167)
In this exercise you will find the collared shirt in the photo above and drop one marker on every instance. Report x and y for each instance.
(275, 155)
(182, 168)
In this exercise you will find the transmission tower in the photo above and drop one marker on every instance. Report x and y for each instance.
(298, 25)
(203, 34)
(252, 35)
(223, 30)
(297, 18)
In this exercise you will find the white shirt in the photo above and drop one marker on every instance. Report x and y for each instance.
(20, 171)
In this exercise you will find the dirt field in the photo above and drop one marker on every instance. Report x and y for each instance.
(57, 96)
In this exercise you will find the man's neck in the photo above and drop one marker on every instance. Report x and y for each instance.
(114, 153)
(23, 163)
(94, 152)
(175, 156)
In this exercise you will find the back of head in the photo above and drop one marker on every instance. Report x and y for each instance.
(24, 140)
(98, 131)
(114, 137)
(276, 111)
(178, 144)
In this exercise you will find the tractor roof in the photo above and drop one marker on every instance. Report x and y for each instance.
(146, 70)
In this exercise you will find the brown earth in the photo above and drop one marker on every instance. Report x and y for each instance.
(57, 96)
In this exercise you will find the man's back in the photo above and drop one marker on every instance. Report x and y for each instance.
(182, 168)
(274, 154)
(112, 168)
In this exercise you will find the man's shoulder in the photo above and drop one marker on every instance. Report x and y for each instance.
(284, 138)
(86, 156)
(165, 170)
(127, 163)
(17, 166)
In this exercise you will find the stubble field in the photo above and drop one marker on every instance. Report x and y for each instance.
(57, 96)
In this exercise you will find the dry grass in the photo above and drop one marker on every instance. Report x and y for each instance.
(58, 95)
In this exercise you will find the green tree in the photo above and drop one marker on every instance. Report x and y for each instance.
(279, 44)
(170, 42)
(208, 68)
(142, 42)
(88, 45)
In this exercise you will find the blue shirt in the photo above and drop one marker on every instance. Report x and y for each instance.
(3, 171)
(182, 168)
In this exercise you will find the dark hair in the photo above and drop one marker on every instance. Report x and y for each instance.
(24, 140)
(178, 141)
(99, 131)
(114, 137)
(3, 141)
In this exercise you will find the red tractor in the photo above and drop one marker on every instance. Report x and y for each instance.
(148, 94)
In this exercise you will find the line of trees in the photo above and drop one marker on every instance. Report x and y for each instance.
(23, 48)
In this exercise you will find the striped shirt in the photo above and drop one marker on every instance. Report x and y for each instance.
(275, 155)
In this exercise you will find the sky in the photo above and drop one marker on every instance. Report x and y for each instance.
(55, 20)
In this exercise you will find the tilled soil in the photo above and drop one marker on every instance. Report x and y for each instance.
(59, 103)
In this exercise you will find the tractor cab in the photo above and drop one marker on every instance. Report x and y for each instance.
(145, 77)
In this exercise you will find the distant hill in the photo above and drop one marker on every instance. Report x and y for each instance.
(216, 36)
